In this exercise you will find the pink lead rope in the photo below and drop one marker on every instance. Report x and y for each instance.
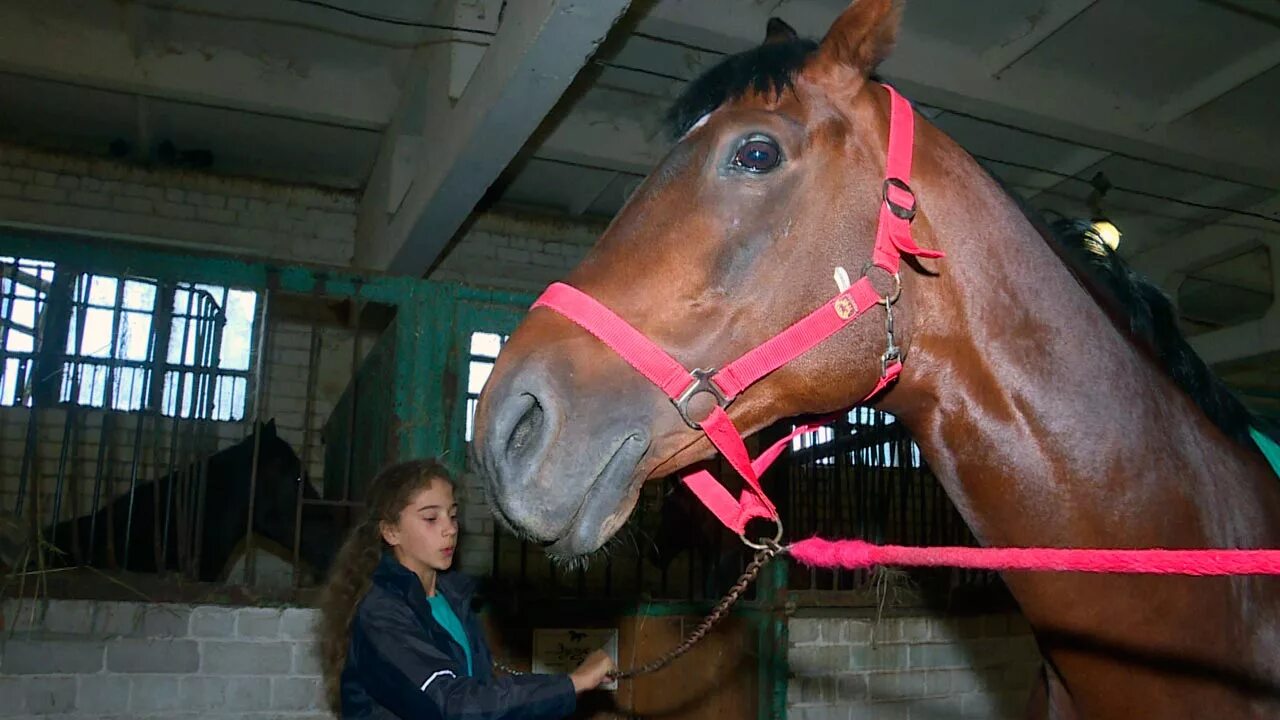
(855, 554)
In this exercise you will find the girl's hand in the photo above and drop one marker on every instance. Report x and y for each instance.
(592, 672)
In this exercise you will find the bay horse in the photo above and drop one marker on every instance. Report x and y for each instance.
(1054, 399)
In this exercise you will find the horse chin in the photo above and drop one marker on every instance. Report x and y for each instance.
(588, 535)
(607, 503)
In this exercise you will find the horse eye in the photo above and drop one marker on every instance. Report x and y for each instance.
(758, 156)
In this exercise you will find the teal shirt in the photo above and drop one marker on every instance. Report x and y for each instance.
(448, 619)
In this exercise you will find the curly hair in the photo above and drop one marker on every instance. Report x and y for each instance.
(352, 571)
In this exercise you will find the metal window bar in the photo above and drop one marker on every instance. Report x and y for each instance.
(119, 377)
(866, 479)
(36, 297)
(24, 283)
(261, 330)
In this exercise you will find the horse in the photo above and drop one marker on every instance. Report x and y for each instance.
(1053, 399)
(222, 523)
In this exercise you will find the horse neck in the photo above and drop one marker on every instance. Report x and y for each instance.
(1021, 388)
(1050, 427)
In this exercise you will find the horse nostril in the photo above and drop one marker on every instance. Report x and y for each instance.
(525, 433)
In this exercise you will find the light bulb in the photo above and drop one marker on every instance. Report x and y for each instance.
(1109, 233)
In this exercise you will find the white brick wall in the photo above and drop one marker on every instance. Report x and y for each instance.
(286, 384)
(176, 208)
(83, 659)
(517, 252)
(909, 668)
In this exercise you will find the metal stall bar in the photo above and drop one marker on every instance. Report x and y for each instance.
(313, 375)
(73, 398)
(259, 378)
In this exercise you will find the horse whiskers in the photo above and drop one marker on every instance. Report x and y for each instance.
(604, 552)
(651, 543)
(495, 510)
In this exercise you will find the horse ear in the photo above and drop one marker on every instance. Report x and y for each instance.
(778, 31)
(863, 36)
(270, 428)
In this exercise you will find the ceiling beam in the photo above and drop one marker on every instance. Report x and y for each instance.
(1050, 17)
(609, 129)
(1064, 108)
(1220, 239)
(1249, 339)
(1079, 161)
(1218, 83)
(1227, 237)
(122, 58)
(1039, 100)
(539, 48)
(582, 198)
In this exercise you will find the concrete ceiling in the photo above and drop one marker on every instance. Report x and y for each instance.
(557, 105)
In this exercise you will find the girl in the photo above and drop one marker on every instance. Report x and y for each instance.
(397, 636)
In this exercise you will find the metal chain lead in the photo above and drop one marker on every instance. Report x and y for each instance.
(892, 353)
(762, 557)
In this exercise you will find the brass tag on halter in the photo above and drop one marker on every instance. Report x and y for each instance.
(846, 308)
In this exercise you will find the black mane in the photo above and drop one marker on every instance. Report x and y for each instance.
(1151, 318)
(768, 69)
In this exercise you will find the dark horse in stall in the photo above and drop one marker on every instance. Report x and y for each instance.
(222, 523)
(1054, 399)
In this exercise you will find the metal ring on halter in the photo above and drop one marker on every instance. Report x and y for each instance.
(702, 383)
(901, 211)
(766, 543)
(887, 300)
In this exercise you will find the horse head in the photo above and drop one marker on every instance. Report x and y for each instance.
(280, 477)
(777, 178)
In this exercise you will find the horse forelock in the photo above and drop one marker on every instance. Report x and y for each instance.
(767, 70)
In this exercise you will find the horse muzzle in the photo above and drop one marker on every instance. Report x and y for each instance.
(565, 480)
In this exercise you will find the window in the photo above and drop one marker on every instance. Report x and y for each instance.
(114, 327)
(866, 422)
(211, 333)
(484, 351)
(109, 343)
(24, 291)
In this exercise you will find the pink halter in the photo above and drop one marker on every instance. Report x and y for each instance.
(893, 240)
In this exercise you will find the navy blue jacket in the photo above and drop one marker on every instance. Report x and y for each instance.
(403, 664)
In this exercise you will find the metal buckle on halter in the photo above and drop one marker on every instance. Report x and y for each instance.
(701, 383)
(774, 543)
(891, 298)
(892, 352)
(890, 356)
(901, 211)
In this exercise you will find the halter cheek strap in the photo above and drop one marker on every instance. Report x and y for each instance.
(893, 240)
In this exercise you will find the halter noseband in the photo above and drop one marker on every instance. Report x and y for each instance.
(893, 240)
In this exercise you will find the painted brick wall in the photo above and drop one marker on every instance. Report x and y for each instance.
(909, 668)
(517, 252)
(81, 659)
(175, 208)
